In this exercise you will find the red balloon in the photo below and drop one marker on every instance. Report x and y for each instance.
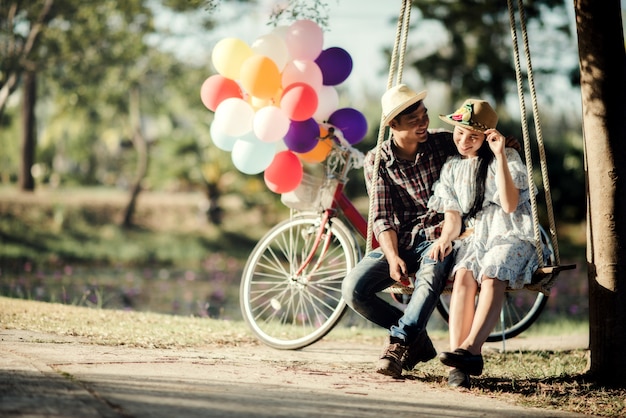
(284, 173)
(218, 88)
(299, 101)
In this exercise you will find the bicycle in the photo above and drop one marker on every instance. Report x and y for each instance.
(290, 292)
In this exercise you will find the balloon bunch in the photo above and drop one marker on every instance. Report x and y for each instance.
(273, 100)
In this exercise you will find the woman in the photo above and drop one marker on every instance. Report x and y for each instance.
(485, 184)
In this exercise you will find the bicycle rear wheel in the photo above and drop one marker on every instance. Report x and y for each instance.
(286, 310)
(520, 310)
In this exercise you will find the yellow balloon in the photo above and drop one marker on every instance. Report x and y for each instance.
(260, 76)
(228, 55)
(319, 153)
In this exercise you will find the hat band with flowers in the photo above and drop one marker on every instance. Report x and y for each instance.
(473, 114)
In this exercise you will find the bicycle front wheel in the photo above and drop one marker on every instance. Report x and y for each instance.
(289, 305)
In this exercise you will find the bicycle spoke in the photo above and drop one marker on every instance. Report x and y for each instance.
(286, 303)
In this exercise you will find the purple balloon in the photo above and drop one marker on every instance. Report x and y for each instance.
(350, 122)
(302, 136)
(336, 65)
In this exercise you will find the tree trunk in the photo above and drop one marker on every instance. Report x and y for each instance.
(26, 181)
(141, 146)
(603, 86)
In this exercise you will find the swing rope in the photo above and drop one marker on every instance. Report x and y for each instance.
(538, 132)
(396, 65)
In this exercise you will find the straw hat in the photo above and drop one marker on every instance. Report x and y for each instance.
(474, 114)
(398, 98)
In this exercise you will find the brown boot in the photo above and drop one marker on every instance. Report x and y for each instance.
(390, 362)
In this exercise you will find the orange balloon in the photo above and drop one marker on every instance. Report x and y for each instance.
(319, 153)
(260, 77)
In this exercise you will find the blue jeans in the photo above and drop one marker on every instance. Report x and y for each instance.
(370, 276)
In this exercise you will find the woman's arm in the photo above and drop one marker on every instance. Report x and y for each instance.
(509, 194)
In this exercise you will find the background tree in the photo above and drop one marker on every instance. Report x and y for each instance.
(603, 84)
(88, 58)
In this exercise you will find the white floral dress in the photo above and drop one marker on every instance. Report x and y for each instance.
(502, 244)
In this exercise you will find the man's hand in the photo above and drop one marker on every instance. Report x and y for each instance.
(398, 271)
(512, 142)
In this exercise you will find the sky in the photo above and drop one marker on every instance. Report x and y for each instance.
(362, 28)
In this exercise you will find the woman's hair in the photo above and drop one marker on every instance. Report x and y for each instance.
(485, 156)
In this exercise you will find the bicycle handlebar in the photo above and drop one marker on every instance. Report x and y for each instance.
(343, 156)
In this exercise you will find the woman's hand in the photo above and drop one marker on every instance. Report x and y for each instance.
(496, 141)
(440, 249)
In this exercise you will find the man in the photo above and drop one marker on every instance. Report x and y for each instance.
(410, 163)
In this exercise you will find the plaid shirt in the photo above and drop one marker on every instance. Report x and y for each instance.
(403, 188)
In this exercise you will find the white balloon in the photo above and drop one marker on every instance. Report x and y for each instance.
(328, 102)
(274, 47)
(234, 116)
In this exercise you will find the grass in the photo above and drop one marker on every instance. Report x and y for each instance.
(51, 227)
(545, 379)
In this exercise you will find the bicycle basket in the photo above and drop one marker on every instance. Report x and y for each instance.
(313, 194)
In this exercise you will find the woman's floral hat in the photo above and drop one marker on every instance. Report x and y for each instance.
(474, 114)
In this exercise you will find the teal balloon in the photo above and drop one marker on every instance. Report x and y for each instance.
(221, 139)
(252, 156)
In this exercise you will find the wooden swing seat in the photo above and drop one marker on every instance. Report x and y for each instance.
(542, 281)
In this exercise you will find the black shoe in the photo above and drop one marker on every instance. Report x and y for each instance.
(422, 350)
(472, 364)
(459, 379)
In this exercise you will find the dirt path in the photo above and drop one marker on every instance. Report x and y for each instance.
(48, 375)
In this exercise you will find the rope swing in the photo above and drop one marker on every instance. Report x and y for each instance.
(396, 66)
(545, 276)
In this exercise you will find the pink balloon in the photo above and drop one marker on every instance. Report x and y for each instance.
(302, 136)
(304, 40)
(218, 88)
(284, 173)
(270, 124)
(351, 123)
(299, 101)
(336, 65)
(302, 71)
